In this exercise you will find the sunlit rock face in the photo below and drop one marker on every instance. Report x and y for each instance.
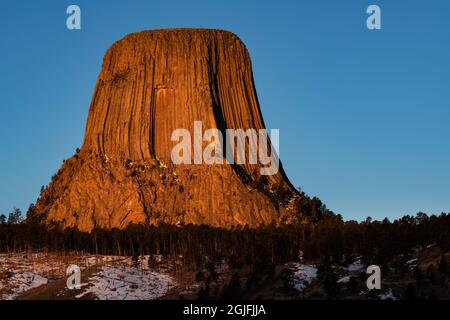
(152, 83)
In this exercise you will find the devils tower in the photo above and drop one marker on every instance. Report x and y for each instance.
(150, 84)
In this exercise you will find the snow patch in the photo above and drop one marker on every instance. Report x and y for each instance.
(353, 267)
(21, 282)
(303, 276)
(345, 279)
(21, 272)
(127, 283)
(387, 295)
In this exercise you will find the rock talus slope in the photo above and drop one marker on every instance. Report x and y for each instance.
(151, 83)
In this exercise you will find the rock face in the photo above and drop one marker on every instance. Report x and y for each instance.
(151, 83)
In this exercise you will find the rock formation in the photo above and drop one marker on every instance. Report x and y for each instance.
(151, 83)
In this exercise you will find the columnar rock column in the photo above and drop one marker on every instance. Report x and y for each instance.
(152, 83)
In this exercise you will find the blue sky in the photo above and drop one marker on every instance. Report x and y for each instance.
(363, 115)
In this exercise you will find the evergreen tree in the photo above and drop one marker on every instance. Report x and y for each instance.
(15, 216)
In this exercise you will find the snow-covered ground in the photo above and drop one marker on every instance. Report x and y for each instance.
(345, 279)
(121, 282)
(115, 278)
(21, 272)
(411, 261)
(303, 275)
(21, 282)
(356, 266)
(389, 295)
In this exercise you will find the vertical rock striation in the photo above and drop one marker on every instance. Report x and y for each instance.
(151, 83)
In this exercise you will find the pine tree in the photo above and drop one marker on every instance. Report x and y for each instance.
(15, 216)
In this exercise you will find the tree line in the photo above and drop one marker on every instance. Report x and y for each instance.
(328, 235)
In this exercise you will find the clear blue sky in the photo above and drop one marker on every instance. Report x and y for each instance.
(364, 116)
